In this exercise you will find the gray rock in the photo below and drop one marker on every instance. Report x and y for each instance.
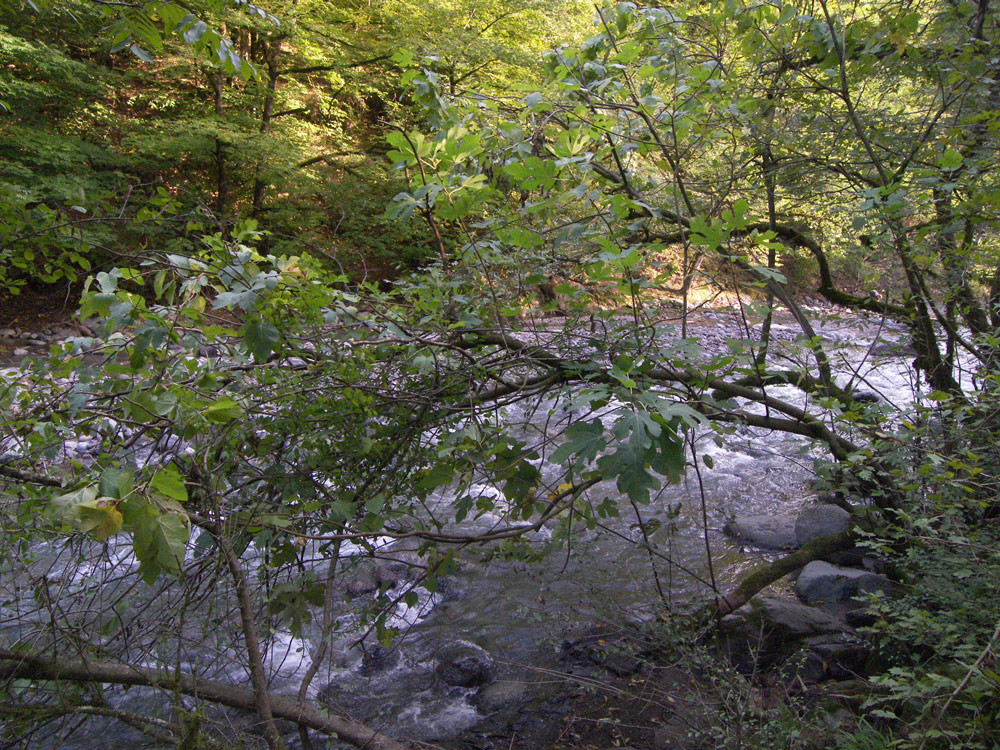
(7, 333)
(817, 521)
(767, 632)
(901, 348)
(464, 664)
(378, 658)
(841, 655)
(769, 531)
(791, 618)
(363, 582)
(866, 397)
(399, 561)
(834, 656)
(617, 659)
(500, 694)
(803, 667)
(20, 352)
(821, 581)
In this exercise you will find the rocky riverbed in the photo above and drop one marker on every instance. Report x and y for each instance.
(573, 652)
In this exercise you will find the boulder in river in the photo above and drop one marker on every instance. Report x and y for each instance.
(464, 664)
(866, 397)
(789, 618)
(499, 695)
(400, 561)
(767, 531)
(817, 521)
(773, 631)
(364, 580)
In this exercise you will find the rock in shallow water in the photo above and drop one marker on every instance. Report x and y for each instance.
(817, 521)
(378, 658)
(768, 531)
(790, 618)
(500, 694)
(464, 664)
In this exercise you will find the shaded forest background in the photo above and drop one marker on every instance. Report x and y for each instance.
(105, 155)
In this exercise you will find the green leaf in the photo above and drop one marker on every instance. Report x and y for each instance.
(950, 160)
(584, 440)
(141, 53)
(637, 427)
(195, 33)
(99, 517)
(63, 507)
(168, 482)
(222, 410)
(116, 483)
(628, 466)
(159, 536)
(667, 456)
(88, 511)
(261, 337)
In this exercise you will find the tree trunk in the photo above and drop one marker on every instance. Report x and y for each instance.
(272, 50)
(221, 179)
(262, 698)
(16, 664)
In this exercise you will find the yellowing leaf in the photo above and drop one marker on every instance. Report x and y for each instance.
(100, 518)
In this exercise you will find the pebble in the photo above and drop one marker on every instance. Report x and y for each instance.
(20, 352)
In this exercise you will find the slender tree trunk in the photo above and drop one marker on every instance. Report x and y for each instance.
(252, 642)
(767, 168)
(221, 178)
(935, 368)
(272, 52)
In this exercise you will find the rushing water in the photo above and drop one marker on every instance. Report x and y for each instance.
(517, 612)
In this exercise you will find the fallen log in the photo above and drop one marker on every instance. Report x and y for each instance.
(765, 575)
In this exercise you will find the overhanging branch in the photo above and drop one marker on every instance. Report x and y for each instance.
(15, 665)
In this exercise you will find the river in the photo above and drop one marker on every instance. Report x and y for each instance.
(518, 613)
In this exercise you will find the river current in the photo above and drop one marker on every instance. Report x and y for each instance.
(518, 613)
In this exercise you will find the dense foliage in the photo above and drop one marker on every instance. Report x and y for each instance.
(258, 403)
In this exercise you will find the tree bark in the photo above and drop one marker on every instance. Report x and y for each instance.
(14, 664)
(252, 642)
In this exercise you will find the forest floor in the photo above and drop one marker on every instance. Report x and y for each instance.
(666, 703)
(34, 310)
